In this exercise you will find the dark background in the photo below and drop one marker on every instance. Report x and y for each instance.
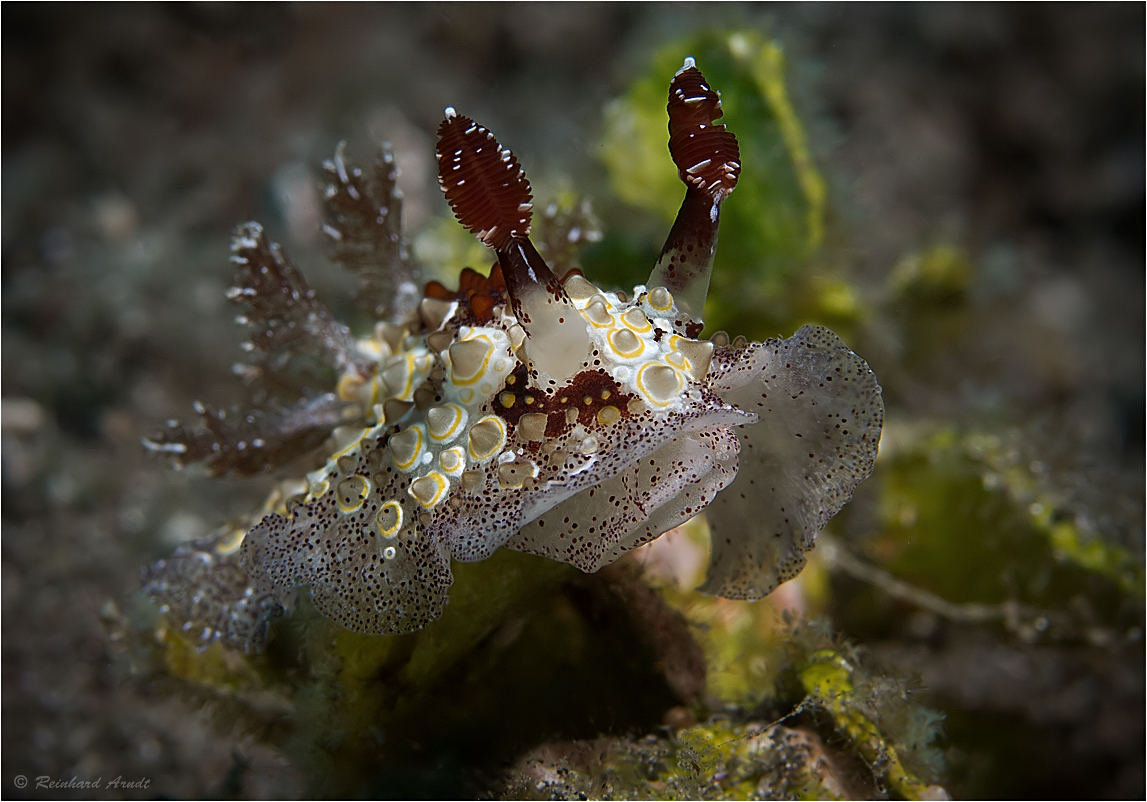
(135, 137)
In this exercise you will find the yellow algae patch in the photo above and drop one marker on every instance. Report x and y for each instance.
(230, 543)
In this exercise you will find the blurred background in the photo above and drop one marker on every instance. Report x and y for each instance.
(958, 190)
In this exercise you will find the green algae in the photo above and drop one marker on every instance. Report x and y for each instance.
(1069, 541)
(830, 730)
(771, 226)
(827, 678)
(966, 518)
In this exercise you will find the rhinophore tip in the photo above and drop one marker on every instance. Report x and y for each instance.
(708, 161)
(490, 195)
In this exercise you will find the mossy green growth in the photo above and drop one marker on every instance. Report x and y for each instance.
(800, 754)
(719, 759)
(1090, 552)
(722, 760)
(1070, 543)
(767, 276)
(827, 678)
(965, 517)
(763, 658)
(943, 528)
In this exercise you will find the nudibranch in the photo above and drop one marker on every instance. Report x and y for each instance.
(553, 417)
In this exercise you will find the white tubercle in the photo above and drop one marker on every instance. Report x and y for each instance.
(557, 342)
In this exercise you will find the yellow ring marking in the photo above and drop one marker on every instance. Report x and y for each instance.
(478, 368)
(608, 415)
(453, 461)
(635, 319)
(487, 437)
(389, 519)
(352, 492)
(597, 312)
(626, 344)
(660, 299)
(413, 449)
(429, 489)
(659, 384)
(444, 422)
